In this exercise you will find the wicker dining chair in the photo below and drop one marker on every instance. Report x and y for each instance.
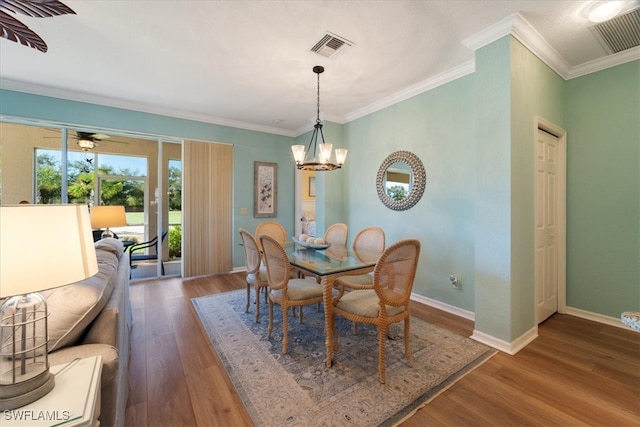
(273, 229)
(369, 242)
(284, 290)
(336, 234)
(385, 301)
(256, 271)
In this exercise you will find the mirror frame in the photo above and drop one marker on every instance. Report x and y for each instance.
(418, 181)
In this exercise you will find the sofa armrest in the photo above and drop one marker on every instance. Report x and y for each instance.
(112, 325)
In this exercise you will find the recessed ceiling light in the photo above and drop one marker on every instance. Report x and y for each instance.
(603, 11)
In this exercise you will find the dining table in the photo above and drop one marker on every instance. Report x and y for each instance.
(329, 264)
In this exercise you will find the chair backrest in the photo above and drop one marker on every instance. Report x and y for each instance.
(395, 272)
(155, 239)
(277, 262)
(273, 229)
(369, 243)
(251, 251)
(336, 234)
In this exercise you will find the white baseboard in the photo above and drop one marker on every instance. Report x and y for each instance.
(465, 314)
(595, 317)
(504, 346)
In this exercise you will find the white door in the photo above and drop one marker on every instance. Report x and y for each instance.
(547, 223)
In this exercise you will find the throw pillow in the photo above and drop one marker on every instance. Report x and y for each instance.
(73, 307)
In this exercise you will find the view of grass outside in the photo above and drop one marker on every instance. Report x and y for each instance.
(136, 218)
(108, 179)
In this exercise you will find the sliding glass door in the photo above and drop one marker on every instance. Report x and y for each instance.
(52, 165)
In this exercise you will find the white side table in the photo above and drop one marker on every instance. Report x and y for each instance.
(74, 401)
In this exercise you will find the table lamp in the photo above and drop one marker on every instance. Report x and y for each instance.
(108, 216)
(34, 256)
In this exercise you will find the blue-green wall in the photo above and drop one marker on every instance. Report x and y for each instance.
(475, 138)
(603, 191)
(249, 146)
(438, 126)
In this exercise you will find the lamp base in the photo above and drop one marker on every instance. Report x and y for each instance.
(107, 233)
(14, 396)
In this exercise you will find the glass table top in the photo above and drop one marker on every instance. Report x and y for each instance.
(335, 259)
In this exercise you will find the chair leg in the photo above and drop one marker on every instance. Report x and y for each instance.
(407, 346)
(382, 337)
(246, 308)
(270, 328)
(391, 332)
(257, 303)
(285, 329)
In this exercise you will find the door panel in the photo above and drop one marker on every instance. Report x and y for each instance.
(546, 220)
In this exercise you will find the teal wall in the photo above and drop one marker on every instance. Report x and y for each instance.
(438, 126)
(603, 180)
(475, 136)
(512, 87)
(249, 146)
(536, 90)
(493, 251)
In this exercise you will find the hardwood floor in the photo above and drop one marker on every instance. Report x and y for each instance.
(577, 372)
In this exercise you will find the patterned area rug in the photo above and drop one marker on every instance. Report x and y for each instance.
(297, 389)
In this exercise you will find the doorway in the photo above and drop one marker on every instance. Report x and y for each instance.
(305, 212)
(550, 220)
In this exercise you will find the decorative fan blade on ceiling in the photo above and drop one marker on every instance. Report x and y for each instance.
(89, 140)
(16, 31)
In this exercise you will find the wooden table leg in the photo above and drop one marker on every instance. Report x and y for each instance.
(327, 286)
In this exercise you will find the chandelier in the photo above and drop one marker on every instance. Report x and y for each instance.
(320, 158)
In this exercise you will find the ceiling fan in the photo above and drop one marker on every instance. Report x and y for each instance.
(87, 141)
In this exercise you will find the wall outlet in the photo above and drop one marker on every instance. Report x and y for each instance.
(455, 282)
(244, 211)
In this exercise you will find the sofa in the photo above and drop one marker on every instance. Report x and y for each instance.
(93, 318)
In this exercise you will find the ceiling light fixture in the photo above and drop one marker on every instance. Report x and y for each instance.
(86, 144)
(603, 11)
(320, 160)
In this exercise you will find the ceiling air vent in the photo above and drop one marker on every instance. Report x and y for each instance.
(620, 33)
(329, 44)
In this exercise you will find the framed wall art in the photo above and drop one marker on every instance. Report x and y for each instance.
(265, 189)
(312, 186)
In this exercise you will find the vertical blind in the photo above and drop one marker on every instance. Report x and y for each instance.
(208, 191)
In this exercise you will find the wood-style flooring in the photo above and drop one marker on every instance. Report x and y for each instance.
(577, 372)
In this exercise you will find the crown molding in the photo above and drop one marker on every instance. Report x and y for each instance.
(520, 28)
(514, 25)
(524, 32)
(619, 58)
(424, 86)
(69, 95)
(532, 40)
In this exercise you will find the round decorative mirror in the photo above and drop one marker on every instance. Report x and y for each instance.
(401, 180)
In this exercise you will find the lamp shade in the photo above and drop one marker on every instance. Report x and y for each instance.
(43, 247)
(108, 216)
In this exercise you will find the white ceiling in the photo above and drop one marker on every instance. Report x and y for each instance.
(248, 63)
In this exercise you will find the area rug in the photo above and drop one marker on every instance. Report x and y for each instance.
(297, 389)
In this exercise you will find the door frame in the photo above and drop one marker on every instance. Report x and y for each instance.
(541, 123)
